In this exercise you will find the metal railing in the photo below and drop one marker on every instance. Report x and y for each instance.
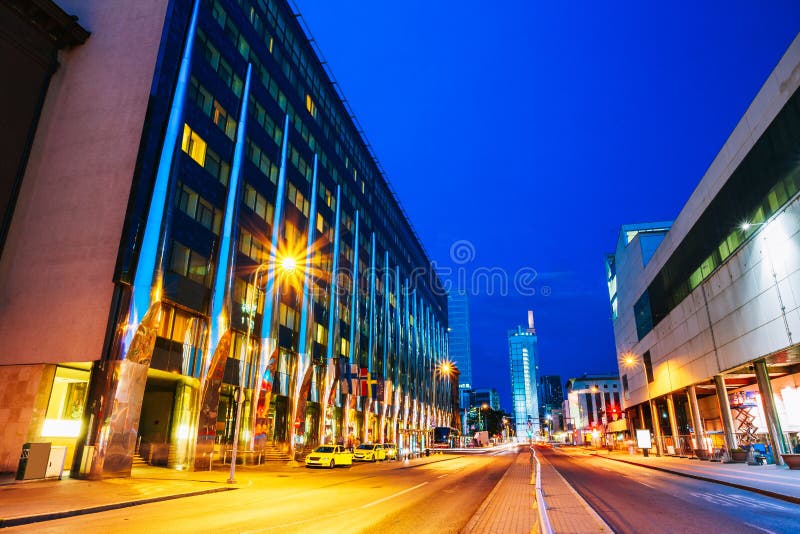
(541, 505)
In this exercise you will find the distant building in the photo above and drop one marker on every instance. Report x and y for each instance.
(458, 335)
(524, 363)
(593, 402)
(551, 394)
(488, 396)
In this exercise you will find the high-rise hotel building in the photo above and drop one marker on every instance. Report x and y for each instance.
(197, 223)
(523, 352)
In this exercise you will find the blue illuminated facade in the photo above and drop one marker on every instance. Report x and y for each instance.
(263, 252)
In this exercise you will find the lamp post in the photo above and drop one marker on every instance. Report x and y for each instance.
(484, 407)
(287, 264)
(444, 368)
(629, 360)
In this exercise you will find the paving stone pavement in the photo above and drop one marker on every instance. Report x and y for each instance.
(511, 505)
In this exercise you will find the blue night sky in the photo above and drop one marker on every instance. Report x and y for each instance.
(534, 130)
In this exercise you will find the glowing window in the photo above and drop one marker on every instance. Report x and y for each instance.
(194, 145)
(64, 414)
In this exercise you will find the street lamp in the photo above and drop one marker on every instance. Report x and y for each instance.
(444, 368)
(629, 360)
(285, 264)
(484, 407)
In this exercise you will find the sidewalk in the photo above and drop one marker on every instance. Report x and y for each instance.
(29, 502)
(771, 480)
(511, 506)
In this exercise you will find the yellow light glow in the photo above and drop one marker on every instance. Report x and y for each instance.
(288, 264)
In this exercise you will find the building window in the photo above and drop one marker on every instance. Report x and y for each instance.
(199, 209)
(65, 408)
(194, 145)
(189, 263)
(625, 390)
(311, 107)
(648, 366)
(197, 149)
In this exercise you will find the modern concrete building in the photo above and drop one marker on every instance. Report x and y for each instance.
(593, 402)
(523, 351)
(199, 232)
(705, 324)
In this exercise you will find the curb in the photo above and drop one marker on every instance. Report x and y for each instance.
(16, 521)
(768, 493)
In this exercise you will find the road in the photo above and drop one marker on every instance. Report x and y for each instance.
(636, 499)
(386, 497)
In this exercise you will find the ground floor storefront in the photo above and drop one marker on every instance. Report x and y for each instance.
(751, 413)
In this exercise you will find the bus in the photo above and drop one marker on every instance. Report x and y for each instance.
(445, 437)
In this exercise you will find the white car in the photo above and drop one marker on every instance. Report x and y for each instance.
(329, 456)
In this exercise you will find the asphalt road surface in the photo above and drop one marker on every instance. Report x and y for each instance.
(386, 497)
(636, 499)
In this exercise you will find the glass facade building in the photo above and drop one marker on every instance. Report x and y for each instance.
(264, 263)
(460, 349)
(523, 349)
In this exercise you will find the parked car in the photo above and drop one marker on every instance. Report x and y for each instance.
(329, 456)
(369, 452)
(391, 451)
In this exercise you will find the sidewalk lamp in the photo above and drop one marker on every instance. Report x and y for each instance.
(283, 264)
(629, 360)
(484, 407)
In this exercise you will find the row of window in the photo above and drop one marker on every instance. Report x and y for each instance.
(259, 204)
(190, 264)
(197, 149)
(199, 209)
(262, 162)
(219, 65)
(212, 108)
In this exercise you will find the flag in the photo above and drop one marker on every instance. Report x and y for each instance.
(372, 386)
(363, 377)
(348, 377)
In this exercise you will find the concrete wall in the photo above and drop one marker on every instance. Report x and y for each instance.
(23, 403)
(57, 267)
(745, 298)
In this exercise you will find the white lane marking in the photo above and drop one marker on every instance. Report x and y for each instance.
(442, 476)
(759, 528)
(732, 501)
(645, 484)
(392, 496)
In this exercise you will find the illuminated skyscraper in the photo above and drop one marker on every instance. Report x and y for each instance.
(524, 363)
(460, 351)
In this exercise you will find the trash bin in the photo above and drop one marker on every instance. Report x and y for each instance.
(33, 461)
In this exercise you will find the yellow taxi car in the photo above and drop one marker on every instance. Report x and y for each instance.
(369, 452)
(329, 456)
(391, 451)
